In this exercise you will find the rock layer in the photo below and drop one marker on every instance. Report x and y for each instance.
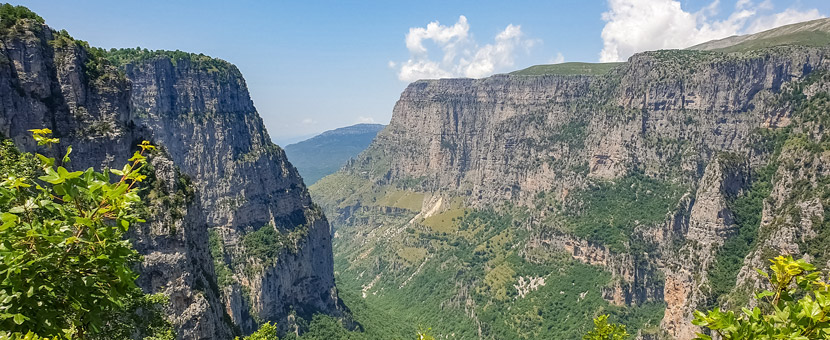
(198, 111)
(691, 119)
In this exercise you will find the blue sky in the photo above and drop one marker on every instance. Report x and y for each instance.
(316, 65)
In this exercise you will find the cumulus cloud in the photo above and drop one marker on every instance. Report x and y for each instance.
(365, 120)
(789, 16)
(639, 25)
(460, 54)
(558, 59)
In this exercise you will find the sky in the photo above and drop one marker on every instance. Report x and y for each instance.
(313, 66)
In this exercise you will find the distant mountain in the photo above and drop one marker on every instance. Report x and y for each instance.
(565, 69)
(325, 153)
(283, 141)
(809, 33)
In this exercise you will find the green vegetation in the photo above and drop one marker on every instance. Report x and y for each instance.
(594, 69)
(607, 212)
(604, 330)
(97, 68)
(123, 56)
(10, 15)
(326, 153)
(795, 155)
(224, 275)
(156, 196)
(468, 257)
(443, 222)
(806, 38)
(572, 133)
(403, 199)
(266, 243)
(66, 267)
(747, 208)
(796, 307)
(267, 331)
(103, 66)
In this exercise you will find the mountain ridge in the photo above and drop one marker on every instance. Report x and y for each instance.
(324, 154)
(809, 33)
(501, 193)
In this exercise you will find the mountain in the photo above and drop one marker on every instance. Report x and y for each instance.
(324, 154)
(234, 239)
(809, 33)
(292, 140)
(520, 206)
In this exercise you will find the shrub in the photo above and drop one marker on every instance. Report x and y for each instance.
(267, 331)
(797, 307)
(604, 330)
(64, 262)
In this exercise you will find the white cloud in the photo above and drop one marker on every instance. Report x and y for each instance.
(789, 16)
(446, 36)
(461, 55)
(309, 121)
(639, 25)
(558, 59)
(366, 120)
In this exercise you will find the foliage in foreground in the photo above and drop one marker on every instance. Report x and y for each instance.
(268, 331)
(797, 307)
(64, 263)
(604, 330)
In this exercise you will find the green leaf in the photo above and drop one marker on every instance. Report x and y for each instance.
(65, 174)
(7, 217)
(66, 156)
(45, 160)
(764, 294)
(6, 225)
(51, 177)
(83, 221)
(19, 319)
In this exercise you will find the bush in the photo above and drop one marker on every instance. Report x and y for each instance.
(267, 331)
(604, 330)
(797, 307)
(65, 264)
(9, 15)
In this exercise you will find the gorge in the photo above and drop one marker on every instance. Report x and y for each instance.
(515, 206)
(234, 238)
(519, 206)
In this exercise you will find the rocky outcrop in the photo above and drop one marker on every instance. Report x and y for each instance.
(661, 109)
(687, 118)
(216, 151)
(710, 223)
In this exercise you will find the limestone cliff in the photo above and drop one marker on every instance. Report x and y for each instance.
(635, 171)
(218, 176)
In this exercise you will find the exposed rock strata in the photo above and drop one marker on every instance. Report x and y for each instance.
(209, 130)
(676, 116)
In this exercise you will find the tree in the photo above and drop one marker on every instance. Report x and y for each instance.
(797, 307)
(604, 330)
(65, 267)
(267, 331)
(424, 334)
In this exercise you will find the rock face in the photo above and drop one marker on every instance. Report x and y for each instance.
(705, 122)
(218, 170)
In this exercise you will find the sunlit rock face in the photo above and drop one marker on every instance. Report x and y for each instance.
(217, 167)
